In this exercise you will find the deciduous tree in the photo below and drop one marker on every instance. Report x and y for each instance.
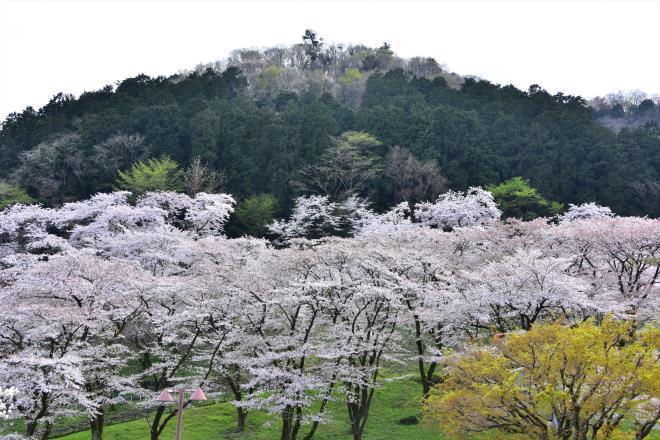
(410, 179)
(553, 382)
(349, 166)
(517, 198)
(151, 175)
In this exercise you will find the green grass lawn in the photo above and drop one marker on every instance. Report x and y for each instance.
(395, 400)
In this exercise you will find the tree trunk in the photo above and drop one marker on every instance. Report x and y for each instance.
(644, 431)
(426, 376)
(47, 430)
(96, 425)
(426, 388)
(287, 424)
(577, 427)
(357, 431)
(32, 425)
(31, 428)
(242, 414)
(355, 415)
(324, 402)
(155, 424)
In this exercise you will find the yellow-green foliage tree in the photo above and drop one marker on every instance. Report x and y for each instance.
(592, 381)
(151, 175)
(255, 212)
(517, 198)
(351, 76)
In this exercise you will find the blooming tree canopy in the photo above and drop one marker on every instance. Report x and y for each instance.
(457, 209)
(586, 211)
(151, 281)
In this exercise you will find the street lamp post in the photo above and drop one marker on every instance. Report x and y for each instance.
(166, 397)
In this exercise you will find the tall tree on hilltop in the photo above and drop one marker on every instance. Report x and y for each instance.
(313, 45)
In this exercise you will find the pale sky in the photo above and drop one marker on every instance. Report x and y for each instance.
(580, 47)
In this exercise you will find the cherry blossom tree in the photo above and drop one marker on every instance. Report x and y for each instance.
(423, 261)
(51, 386)
(312, 217)
(456, 209)
(232, 273)
(521, 289)
(388, 223)
(370, 306)
(317, 318)
(586, 211)
(284, 319)
(359, 312)
(166, 340)
(63, 338)
(619, 256)
(35, 228)
(203, 214)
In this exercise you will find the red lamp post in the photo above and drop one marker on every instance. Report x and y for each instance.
(166, 397)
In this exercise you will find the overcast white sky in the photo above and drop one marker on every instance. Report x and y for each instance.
(584, 47)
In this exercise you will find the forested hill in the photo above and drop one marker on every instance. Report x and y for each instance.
(262, 116)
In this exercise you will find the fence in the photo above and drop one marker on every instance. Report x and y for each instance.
(113, 419)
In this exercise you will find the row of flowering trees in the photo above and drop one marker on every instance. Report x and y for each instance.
(120, 296)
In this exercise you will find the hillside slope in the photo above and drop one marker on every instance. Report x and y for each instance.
(262, 115)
